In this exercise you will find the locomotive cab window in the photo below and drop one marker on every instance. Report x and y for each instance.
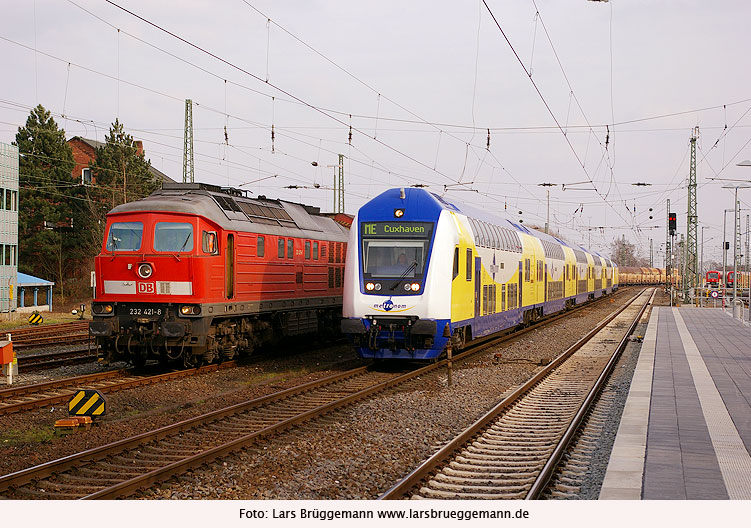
(307, 250)
(125, 236)
(315, 250)
(260, 247)
(209, 244)
(174, 237)
(290, 248)
(280, 250)
(469, 264)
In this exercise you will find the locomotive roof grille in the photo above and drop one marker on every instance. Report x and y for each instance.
(268, 213)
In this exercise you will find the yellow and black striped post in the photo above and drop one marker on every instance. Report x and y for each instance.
(36, 318)
(87, 403)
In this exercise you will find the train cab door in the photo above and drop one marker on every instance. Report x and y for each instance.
(545, 273)
(478, 286)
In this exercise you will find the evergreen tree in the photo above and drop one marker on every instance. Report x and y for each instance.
(121, 174)
(45, 204)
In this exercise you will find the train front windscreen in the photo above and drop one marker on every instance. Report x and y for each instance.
(395, 250)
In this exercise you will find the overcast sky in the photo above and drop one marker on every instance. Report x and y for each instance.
(423, 81)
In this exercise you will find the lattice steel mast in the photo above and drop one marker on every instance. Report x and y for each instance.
(691, 277)
(188, 167)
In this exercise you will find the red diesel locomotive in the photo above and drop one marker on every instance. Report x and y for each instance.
(198, 273)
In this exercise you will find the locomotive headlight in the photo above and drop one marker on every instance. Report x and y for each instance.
(102, 309)
(190, 309)
(415, 286)
(370, 286)
(378, 287)
(406, 287)
(145, 270)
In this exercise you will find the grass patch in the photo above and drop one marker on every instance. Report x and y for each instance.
(32, 436)
(49, 318)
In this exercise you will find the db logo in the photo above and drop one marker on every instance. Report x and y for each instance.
(146, 287)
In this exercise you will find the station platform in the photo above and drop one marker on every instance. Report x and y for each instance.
(685, 432)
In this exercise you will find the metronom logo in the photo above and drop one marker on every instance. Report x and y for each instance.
(390, 306)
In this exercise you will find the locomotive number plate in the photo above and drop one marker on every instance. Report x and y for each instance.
(142, 310)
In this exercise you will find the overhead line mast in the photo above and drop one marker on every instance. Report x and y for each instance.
(691, 277)
(188, 166)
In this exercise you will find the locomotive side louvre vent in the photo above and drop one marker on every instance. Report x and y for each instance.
(331, 253)
(298, 277)
(338, 275)
(331, 277)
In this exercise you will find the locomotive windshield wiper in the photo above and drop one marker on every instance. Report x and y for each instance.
(404, 274)
(177, 255)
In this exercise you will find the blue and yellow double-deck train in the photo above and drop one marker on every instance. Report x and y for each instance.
(422, 270)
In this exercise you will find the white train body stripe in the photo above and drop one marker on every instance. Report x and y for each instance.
(120, 287)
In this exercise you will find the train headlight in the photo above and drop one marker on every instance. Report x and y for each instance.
(102, 309)
(378, 287)
(145, 270)
(190, 309)
(406, 287)
(415, 286)
(370, 286)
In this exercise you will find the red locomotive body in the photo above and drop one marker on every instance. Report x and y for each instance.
(195, 272)
(713, 279)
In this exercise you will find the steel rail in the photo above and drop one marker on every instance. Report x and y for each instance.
(427, 467)
(91, 381)
(547, 471)
(56, 466)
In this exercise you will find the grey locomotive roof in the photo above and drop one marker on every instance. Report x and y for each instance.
(201, 202)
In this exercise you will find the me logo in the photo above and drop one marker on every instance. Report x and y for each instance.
(370, 229)
(388, 305)
(146, 287)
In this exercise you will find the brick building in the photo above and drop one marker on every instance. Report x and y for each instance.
(84, 151)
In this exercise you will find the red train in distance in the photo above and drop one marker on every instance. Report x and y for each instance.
(713, 279)
(196, 273)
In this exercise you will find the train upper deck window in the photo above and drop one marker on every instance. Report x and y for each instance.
(125, 236)
(174, 237)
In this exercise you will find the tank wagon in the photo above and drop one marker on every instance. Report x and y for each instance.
(423, 271)
(196, 273)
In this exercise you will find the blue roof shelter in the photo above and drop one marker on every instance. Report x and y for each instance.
(30, 283)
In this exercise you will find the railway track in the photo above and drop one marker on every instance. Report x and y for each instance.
(41, 336)
(123, 467)
(512, 451)
(29, 397)
(31, 362)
